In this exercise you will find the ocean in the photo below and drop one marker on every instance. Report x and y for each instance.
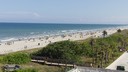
(14, 31)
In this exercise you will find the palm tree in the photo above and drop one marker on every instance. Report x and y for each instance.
(106, 53)
(102, 57)
(103, 52)
(123, 43)
(104, 33)
(92, 42)
(119, 30)
(110, 51)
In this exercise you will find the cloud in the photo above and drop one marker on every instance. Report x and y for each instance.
(36, 14)
(19, 14)
(119, 17)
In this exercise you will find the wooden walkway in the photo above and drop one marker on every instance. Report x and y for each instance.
(52, 63)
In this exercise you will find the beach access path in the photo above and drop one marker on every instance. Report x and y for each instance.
(121, 61)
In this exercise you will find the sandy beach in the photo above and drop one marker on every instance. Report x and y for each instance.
(30, 43)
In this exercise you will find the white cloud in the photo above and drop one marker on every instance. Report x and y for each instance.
(119, 17)
(19, 14)
(36, 14)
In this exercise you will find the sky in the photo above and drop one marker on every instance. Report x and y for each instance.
(65, 11)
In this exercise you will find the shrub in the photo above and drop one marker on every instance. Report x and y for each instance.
(16, 58)
(69, 50)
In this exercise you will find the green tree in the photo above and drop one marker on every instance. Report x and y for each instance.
(104, 33)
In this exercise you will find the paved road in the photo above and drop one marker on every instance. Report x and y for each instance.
(121, 61)
(88, 69)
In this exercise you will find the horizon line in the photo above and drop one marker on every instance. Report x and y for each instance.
(63, 23)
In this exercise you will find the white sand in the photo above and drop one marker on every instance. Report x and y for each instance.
(121, 61)
(13, 46)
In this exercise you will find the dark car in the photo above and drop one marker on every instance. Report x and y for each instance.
(122, 68)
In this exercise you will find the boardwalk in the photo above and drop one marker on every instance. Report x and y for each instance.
(76, 68)
(54, 64)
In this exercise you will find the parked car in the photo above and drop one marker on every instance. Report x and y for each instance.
(11, 67)
(122, 68)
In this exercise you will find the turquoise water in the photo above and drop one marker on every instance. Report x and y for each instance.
(10, 31)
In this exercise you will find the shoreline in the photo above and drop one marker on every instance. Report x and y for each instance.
(40, 42)
(56, 33)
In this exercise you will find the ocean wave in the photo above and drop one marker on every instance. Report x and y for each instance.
(35, 34)
(63, 31)
(8, 39)
(32, 33)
